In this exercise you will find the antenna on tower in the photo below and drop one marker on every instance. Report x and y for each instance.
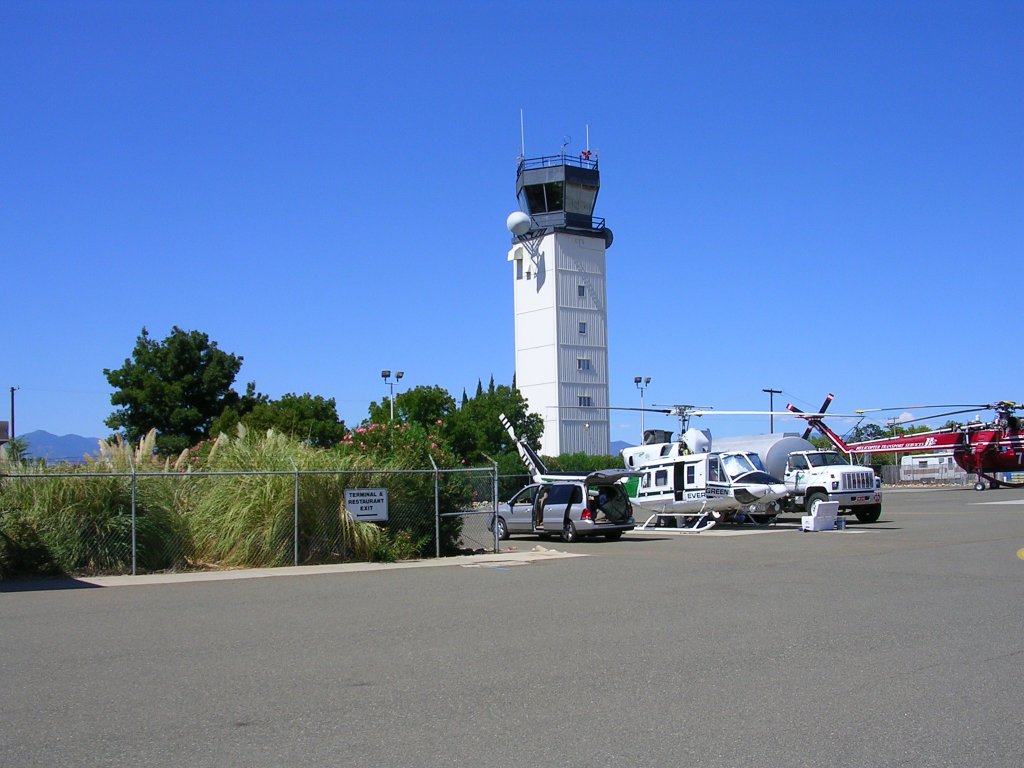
(522, 135)
(588, 137)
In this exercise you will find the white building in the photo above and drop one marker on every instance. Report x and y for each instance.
(560, 297)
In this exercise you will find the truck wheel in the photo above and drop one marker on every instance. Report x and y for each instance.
(869, 514)
(569, 534)
(812, 499)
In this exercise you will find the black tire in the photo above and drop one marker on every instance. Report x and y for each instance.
(979, 486)
(869, 514)
(613, 535)
(812, 499)
(502, 529)
(569, 534)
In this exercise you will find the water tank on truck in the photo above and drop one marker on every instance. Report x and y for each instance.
(773, 449)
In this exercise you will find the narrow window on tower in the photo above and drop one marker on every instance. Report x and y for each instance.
(582, 364)
(581, 291)
(585, 401)
(583, 328)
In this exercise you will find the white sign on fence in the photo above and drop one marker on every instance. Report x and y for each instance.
(369, 504)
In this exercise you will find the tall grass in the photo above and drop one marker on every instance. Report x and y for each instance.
(188, 515)
(249, 519)
(81, 521)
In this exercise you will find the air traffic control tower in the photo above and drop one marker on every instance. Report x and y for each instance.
(561, 318)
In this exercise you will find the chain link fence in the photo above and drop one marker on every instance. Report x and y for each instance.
(144, 522)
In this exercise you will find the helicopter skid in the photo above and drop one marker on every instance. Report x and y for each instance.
(691, 522)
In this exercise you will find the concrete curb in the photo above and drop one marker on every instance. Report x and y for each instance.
(537, 554)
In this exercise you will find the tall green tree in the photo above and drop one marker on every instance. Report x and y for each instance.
(476, 430)
(232, 415)
(308, 418)
(177, 386)
(419, 405)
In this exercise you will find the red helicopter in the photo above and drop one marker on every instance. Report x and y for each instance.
(981, 448)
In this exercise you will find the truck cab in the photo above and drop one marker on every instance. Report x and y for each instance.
(813, 476)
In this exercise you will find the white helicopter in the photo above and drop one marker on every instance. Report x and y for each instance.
(683, 484)
(687, 485)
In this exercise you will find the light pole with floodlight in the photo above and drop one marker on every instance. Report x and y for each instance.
(641, 384)
(386, 375)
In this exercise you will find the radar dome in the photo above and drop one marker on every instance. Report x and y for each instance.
(518, 223)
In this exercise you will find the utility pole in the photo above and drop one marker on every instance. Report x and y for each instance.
(771, 407)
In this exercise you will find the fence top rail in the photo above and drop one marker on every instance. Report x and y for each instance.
(238, 473)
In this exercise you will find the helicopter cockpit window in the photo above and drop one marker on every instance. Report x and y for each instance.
(736, 464)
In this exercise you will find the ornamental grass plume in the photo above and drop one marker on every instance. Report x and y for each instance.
(82, 519)
(247, 517)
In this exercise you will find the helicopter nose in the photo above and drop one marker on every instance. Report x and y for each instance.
(759, 492)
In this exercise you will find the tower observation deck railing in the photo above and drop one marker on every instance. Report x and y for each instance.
(548, 161)
(567, 220)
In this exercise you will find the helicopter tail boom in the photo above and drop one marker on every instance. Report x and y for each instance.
(529, 456)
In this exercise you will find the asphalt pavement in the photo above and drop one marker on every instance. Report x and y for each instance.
(892, 644)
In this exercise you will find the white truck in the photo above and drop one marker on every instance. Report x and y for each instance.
(812, 475)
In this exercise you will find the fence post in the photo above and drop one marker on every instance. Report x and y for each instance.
(437, 509)
(494, 503)
(134, 547)
(494, 499)
(295, 526)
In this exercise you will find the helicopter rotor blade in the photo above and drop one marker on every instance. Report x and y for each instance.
(971, 406)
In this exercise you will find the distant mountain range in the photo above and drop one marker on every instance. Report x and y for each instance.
(70, 448)
(618, 445)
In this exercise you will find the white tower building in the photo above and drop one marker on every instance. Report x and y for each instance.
(559, 287)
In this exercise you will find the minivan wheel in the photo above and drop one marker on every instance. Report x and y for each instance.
(502, 529)
(569, 533)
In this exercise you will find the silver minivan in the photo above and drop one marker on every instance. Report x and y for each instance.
(596, 505)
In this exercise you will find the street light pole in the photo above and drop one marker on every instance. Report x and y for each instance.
(386, 375)
(771, 407)
(641, 384)
(13, 433)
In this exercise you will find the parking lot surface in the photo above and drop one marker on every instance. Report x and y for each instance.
(898, 643)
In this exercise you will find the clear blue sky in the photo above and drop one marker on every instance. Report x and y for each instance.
(809, 197)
